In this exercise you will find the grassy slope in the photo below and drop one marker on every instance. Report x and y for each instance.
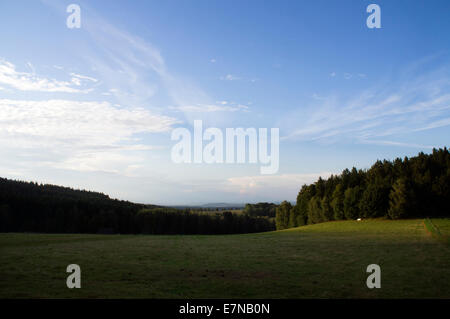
(319, 261)
(443, 225)
(440, 228)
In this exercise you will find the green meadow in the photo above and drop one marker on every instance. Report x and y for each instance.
(327, 260)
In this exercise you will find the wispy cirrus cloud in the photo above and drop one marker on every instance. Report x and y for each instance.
(415, 103)
(349, 76)
(83, 77)
(134, 65)
(94, 135)
(393, 143)
(210, 108)
(231, 77)
(29, 81)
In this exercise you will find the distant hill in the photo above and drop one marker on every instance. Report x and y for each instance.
(29, 206)
(221, 206)
(33, 207)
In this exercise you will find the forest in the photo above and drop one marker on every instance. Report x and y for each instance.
(261, 209)
(404, 188)
(32, 207)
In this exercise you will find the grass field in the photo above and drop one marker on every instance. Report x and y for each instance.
(319, 261)
(443, 225)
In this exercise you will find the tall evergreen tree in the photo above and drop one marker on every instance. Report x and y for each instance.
(400, 200)
(351, 202)
(337, 202)
(315, 210)
(282, 215)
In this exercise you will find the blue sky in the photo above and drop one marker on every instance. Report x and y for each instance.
(94, 107)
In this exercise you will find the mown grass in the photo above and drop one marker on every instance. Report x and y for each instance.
(318, 261)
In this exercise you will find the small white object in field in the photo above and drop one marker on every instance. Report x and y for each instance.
(359, 219)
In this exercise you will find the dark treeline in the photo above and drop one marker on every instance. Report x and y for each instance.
(403, 188)
(172, 221)
(261, 209)
(32, 207)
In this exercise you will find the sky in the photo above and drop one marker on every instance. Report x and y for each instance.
(94, 107)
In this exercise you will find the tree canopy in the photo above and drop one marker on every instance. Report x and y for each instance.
(403, 188)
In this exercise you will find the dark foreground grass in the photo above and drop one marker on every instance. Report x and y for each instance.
(319, 261)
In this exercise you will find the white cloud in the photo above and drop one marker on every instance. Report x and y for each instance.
(76, 81)
(78, 135)
(25, 81)
(230, 77)
(88, 123)
(83, 77)
(210, 108)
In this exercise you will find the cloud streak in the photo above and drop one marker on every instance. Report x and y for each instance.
(26, 81)
(210, 108)
(420, 103)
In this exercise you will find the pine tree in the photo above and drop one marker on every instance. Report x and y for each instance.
(351, 202)
(282, 215)
(337, 202)
(315, 210)
(399, 200)
(327, 211)
(375, 200)
(293, 217)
